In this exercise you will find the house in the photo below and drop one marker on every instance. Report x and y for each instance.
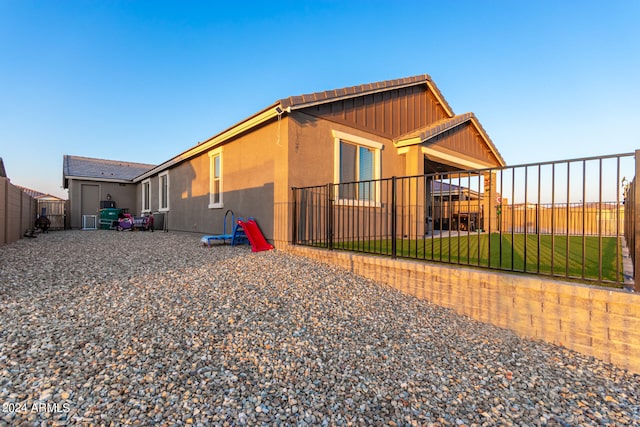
(455, 207)
(48, 205)
(389, 128)
(92, 181)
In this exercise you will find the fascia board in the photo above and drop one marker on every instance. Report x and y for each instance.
(407, 142)
(447, 158)
(354, 95)
(488, 141)
(238, 129)
(87, 178)
(436, 92)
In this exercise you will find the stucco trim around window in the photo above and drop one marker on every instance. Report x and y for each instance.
(164, 188)
(146, 196)
(216, 188)
(376, 150)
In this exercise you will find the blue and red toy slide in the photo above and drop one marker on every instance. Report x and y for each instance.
(255, 236)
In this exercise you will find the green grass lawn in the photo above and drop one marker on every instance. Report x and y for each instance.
(510, 253)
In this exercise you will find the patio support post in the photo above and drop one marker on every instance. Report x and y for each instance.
(294, 218)
(329, 225)
(486, 197)
(413, 198)
(490, 202)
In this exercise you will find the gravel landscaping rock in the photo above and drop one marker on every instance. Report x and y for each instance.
(112, 328)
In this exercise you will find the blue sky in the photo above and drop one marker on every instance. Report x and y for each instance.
(144, 80)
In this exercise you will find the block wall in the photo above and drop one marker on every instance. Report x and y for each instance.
(595, 321)
(17, 212)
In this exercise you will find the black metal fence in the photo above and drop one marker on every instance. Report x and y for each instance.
(562, 218)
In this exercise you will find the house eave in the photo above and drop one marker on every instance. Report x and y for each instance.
(488, 141)
(98, 179)
(285, 106)
(289, 106)
(454, 159)
(423, 139)
(256, 120)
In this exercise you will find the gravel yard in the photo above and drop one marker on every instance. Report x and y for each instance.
(112, 328)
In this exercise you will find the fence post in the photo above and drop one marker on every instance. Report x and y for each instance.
(295, 217)
(636, 228)
(394, 221)
(329, 226)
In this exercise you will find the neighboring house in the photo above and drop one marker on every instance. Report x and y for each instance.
(454, 207)
(50, 206)
(92, 181)
(390, 128)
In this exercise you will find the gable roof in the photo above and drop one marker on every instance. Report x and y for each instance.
(37, 194)
(3, 173)
(286, 105)
(101, 170)
(420, 136)
(316, 98)
(444, 188)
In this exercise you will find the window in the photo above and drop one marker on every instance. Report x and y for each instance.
(146, 196)
(215, 183)
(163, 191)
(356, 160)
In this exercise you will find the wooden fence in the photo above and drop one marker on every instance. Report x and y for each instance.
(576, 219)
(55, 211)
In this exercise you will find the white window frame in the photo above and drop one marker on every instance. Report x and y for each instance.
(146, 196)
(161, 198)
(212, 155)
(377, 148)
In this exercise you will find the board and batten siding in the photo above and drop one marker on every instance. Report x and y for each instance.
(464, 142)
(389, 114)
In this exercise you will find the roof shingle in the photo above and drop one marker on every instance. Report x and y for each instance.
(364, 89)
(436, 128)
(86, 167)
(37, 194)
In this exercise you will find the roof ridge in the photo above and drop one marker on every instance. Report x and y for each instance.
(109, 161)
(438, 126)
(35, 193)
(92, 168)
(356, 90)
(444, 124)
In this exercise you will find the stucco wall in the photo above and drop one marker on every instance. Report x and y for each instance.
(311, 151)
(124, 194)
(259, 169)
(248, 165)
(312, 161)
(599, 322)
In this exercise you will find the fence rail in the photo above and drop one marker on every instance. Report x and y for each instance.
(565, 218)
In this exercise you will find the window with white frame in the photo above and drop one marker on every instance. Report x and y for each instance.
(215, 182)
(146, 195)
(356, 167)
(163, 191)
